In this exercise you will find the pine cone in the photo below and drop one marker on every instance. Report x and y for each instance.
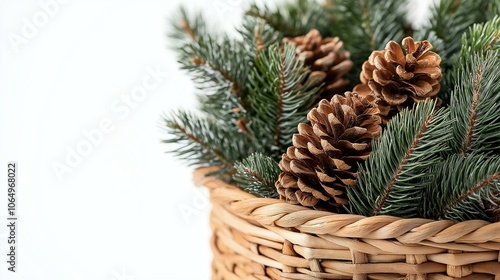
(327, 60)
(400, 80)
(323, 159)
(492, 209)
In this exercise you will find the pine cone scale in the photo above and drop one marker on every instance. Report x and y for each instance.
(305, 199)
(339, 70)
(431, 71)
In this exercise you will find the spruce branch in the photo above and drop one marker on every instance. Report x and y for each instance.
(393, 178)
(219, 70)
(280, 96)
(365, 26)
(480, 39)
(450, 19)
(256, 174)
(475, 104)
(294, 18)
(186, 28)
(218, 65)
(493, 9)
(461, 186)
(261, 34)
(204, 142)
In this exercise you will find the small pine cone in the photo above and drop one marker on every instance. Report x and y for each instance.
(400, 80)
(323, 159)
(492, 209)
(326, 59)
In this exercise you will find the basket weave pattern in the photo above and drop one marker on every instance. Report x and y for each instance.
(262, 238)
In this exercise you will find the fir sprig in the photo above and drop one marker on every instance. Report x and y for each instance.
(217, 64)
(186, 28)
(294, 18)
(475, 105)
(280, 94)
(461, 186)
(365, 26)
(204, 142)
(450, 19)
(257, 174)
(393, 178)
(220, 72)
(480, 39)
(260, 33)
(493, 9)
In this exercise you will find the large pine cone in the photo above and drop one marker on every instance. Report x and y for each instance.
(323, 159)
(400, 80)
(326, 59)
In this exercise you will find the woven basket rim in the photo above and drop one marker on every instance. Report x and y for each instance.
(271, 212)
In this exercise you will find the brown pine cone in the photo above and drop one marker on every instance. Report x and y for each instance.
(326, 59)
(400, 80)
(492, 209)
(323, 159)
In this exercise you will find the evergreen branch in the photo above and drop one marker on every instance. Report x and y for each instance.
(475, 104)
(279, 25)
(294, 18)
(493, 9)
(280, 96)
(392, 179)
(221, 62)
(279, 102)
(218, 65)
(365, 25)
(450, 19)
(469, 193)
(480, 39)
(256, 174)
(186, 28)
(473, 112)
(203, 142)
(461, 186)
(261, 34)
(235, 86)
(219, 69)
(409, 152)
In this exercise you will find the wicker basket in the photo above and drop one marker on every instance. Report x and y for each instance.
(261, 238)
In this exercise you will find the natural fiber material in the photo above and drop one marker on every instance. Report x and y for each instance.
(323, 160)
(400, 78)
(327, 60)
(262, 238)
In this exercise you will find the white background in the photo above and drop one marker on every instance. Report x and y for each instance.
(116, 213)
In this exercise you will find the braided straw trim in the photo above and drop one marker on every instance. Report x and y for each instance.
(275, 215)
